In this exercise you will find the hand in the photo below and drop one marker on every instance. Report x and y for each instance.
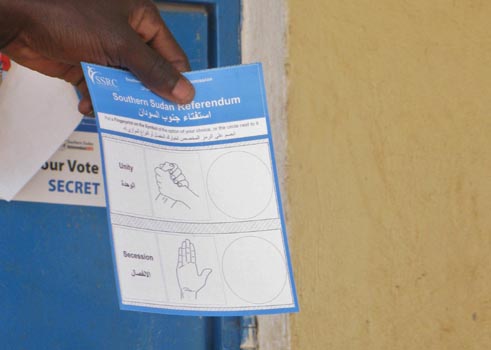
(190, 280)
(53, 36)
(175, 173)
(174, 191)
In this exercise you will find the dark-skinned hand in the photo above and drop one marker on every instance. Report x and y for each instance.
(54, 36)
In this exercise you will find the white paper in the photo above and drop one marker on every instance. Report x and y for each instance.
(37, 114)
(193, 197)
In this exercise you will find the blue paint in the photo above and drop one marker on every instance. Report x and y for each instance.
(248, 338)
(58, 289)
(191, 30)
(227, 333)
(224, 31)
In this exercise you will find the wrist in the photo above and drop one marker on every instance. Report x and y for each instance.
(187, 295)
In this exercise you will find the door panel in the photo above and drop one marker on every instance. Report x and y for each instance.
(58, 290)
(189, 25)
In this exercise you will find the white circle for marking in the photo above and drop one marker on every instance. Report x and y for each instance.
(240, 185)
(254, 270)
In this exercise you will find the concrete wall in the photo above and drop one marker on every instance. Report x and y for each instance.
(263, 39)
(389, 173)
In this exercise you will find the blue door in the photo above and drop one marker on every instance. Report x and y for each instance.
(57, 285)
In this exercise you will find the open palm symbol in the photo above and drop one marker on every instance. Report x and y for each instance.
(190, 280)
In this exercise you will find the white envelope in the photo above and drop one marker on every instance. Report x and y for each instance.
(37, 114)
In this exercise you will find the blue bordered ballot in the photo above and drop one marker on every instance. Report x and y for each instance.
(193, 198)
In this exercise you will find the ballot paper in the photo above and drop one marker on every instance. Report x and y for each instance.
(37, 114)
(192, 194)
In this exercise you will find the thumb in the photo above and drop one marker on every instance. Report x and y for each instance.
(156, 73)
(159, 172)
(167, 166)
(204, 275)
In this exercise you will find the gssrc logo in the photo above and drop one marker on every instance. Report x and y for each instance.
(97, 79)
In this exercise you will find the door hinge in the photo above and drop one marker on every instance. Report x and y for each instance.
(248, 329)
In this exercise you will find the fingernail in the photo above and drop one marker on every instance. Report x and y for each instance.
(183, 91)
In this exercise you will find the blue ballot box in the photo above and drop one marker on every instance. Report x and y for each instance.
(57, 283)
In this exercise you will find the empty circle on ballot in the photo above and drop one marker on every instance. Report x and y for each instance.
(240, 184)
(254, 269)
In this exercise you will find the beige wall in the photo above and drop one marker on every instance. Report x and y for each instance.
(389, 165)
